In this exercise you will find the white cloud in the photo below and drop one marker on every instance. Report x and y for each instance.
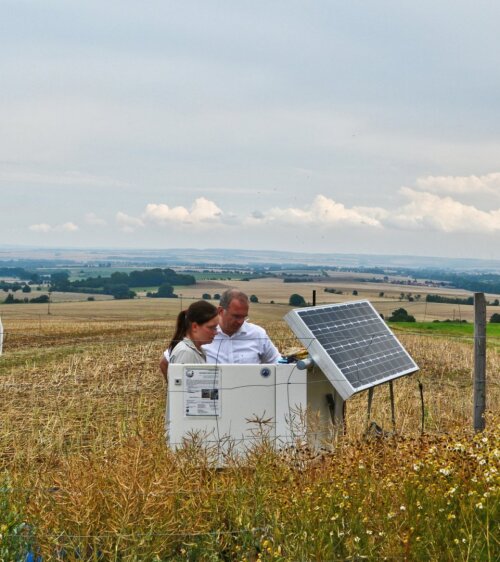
(489, 183)
(66, 227)
(429, 211)
(44, 227)
(161, 213)
(322, 212)
(421, 211)
(128, 223)
(201, 211)
(94, 220)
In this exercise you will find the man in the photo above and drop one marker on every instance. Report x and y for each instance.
(237, 340)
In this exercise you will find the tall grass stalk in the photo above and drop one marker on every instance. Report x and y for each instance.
(83, 451)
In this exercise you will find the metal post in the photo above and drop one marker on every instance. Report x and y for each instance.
(393, 408)
(314, 297)
(479, 361)
(370, 400)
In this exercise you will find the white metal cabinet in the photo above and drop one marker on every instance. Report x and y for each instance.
(227, 407)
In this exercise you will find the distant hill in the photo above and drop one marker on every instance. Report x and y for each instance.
(25, 257)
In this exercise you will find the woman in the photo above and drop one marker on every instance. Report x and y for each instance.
(196, 326)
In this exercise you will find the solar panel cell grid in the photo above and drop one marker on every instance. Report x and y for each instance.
(351, 342)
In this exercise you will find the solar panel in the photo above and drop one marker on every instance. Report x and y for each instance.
(351, 344)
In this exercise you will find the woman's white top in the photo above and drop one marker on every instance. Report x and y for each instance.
(186, 352)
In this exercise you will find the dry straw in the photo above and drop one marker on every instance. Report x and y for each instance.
(84, 460)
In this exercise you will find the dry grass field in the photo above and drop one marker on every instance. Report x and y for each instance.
(85, 473)
(271, 289)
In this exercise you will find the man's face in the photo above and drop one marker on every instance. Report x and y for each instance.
(233, 317)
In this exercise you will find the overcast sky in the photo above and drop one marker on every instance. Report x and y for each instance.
(321, 126)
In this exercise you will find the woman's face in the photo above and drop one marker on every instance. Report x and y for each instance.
(204, 333)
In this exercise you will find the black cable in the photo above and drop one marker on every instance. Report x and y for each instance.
(421, 389)
(219, 398)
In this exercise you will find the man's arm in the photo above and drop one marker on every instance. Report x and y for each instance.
(270, 353)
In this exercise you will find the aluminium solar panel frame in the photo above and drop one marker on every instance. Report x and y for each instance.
(327, 364)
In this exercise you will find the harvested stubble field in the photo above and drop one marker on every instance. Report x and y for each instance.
(86, 474)
(273, 289)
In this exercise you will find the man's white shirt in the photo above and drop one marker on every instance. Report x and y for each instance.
(250, 344)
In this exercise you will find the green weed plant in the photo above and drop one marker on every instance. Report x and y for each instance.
(87, 474)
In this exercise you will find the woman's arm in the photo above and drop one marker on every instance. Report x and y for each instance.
(164, 367)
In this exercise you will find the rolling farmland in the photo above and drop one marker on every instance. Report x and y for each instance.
(86, 473)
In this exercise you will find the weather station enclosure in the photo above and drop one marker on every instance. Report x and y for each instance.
(232, 407)
(229, 407)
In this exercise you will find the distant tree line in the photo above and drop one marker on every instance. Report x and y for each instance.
(12, 300)
(120, 284)
(449, 300)
(18, 272)
(146, 278)
(33, 279)
(475, 282)
(454, 300)
(15, 286)
(291, 278)
(165, 291)
(401, 315)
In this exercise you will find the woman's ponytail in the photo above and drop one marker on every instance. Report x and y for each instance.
(199, 312)
(180, 330)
